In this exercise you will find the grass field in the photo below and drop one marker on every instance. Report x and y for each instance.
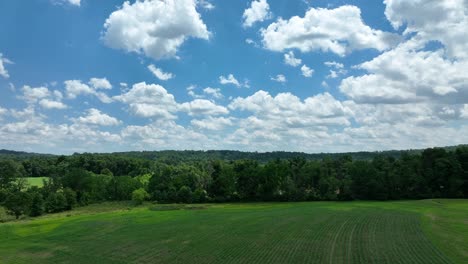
(429, 231)
(36, 181)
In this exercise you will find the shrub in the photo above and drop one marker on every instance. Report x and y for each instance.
(139, 196)
(37, 205)
(184, 195)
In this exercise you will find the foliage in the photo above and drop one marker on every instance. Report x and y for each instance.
(37, 205)
(82, 179)
(17, 203)
(139, 196)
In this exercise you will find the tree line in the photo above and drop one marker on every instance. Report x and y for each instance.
(79, 180)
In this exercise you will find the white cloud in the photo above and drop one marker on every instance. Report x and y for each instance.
(257, 12)
(96, 117)
(285, 120)
(51, 104)
(287, 104)
(444, 21)
(205, 4)
(3, 111)
(70, 2)
(74, 88)
(464, 111)
(30, 130)
(43, 96)
(160, 74)
(306, 71)
(230, 79)
(32, 95)
(334, 64)
(75, 2)
(100, 83)
(3, 70)
(212, 123)
(290, 59)
(156, 29)
(203, 107)
(408, 74)
(340, 30)
(279, 78)
(252, 42)
(214, 92)
(150, 100)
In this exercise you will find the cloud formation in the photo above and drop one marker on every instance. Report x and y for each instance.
(156, 29)
(340, 31)
(258, 11)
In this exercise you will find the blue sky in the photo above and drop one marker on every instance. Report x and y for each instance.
(262, 75)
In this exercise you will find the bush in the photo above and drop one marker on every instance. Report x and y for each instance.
(70, 197)
(139, 196)
(55, 202)
(184, 195)
(37, 205)
(200, 196)
(17, 203)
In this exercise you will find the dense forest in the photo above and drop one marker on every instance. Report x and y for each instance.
(228, 176)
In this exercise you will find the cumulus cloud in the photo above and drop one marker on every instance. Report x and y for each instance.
(160, 74)
(3, 112)
(203, 107)
(100, 83)
(150, 100)
(74, 88)
(291, 60)
(306, 71)
(406, 74)
(32, 95)
(212, 123)
(154, 28)
(167, 134)
(30, 129)
(444, 21)
(51, 104)
(230, 79)
(279, 78)
(464, 111)
(257, 12)
(205, 4)
(214, 92)
(69, 2)
(340, 30)
(96, 117)
(3, 70)
(285, 119)
(334, 64)
(43, 96)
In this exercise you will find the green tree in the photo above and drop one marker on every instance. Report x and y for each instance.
(184, 195)
(70, 197)
(17, 203)
(139, 196)
(37, 205)
(9, 171)
(55, 202)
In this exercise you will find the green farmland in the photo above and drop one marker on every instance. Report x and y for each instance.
(428, 231)
(36, 181)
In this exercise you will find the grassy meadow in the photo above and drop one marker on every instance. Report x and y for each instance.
(36, 181)
(427, 231)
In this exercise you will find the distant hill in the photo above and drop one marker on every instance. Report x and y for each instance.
(194, 155)
(21, 154)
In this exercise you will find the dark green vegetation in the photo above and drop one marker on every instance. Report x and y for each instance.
(427, 231)
(84, 179)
